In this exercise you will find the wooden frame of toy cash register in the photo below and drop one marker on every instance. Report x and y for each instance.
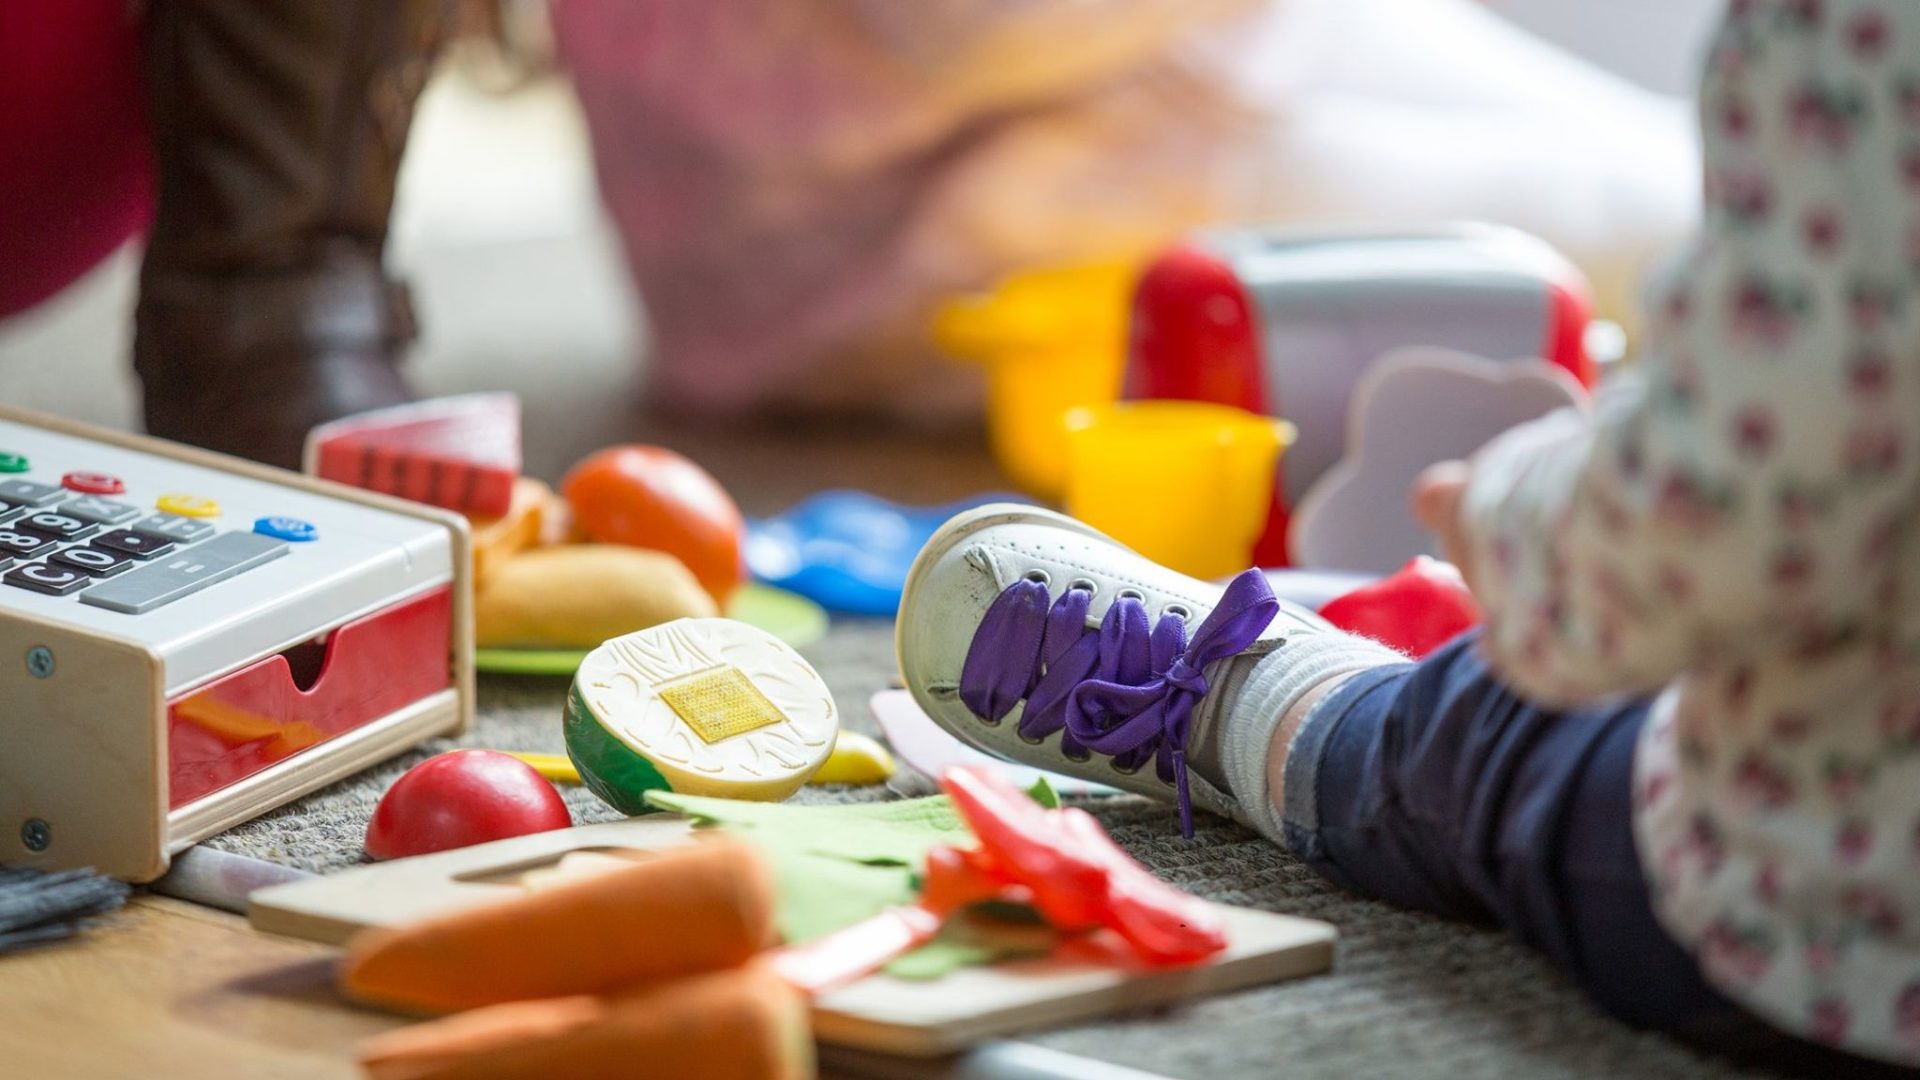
(123, 743)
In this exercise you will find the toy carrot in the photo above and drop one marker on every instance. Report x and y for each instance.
(424, 1049)
(732, 1025)
(689, 910)
(740, 1024)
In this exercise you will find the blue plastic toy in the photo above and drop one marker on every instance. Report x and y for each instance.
(848, 550)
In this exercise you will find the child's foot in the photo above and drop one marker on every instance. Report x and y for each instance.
(1033, 637)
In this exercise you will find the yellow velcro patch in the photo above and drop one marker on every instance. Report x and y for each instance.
(719, 703)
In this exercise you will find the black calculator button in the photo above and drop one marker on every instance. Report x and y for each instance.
(55, 525)
(97, 562)
(98, 510)
(175, 527)
(140, 545)
(47, 578)
(22, 545)
(28, 493)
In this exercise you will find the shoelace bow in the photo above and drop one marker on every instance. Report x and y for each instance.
(1126, 690)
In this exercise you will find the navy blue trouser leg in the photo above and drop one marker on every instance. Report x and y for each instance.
(1434, 786)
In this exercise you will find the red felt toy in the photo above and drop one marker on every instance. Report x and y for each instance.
(1421, 607)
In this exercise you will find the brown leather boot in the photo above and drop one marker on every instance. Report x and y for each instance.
(277, 127)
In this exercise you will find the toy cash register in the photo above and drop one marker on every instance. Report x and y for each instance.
(188, 640)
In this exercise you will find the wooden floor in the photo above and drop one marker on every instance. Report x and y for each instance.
(172, 989)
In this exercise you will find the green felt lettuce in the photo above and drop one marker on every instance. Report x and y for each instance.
(837, 865)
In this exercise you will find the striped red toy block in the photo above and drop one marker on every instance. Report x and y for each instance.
(461, 453)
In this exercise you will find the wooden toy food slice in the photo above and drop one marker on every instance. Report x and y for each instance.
(527, 520)
(460, 452)
(699, 706)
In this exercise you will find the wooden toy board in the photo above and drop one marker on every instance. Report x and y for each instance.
(878, 1013)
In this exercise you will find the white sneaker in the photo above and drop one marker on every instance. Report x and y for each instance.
(1030, 561)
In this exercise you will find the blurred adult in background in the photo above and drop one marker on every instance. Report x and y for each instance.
(795, 181)
(260, 139)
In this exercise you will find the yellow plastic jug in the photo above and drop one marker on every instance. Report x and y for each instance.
(1184, 483)
(1050, 339)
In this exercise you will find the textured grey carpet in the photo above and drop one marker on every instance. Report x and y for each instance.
(1410, 995)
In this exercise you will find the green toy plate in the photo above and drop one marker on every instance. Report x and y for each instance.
(790, 617)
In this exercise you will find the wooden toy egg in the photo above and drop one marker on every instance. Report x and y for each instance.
(700, 707)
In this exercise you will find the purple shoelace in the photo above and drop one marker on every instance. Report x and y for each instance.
(1126, 690)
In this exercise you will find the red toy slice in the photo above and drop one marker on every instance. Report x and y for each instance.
(461, 453)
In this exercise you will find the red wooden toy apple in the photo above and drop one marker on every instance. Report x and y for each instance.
(462, 798)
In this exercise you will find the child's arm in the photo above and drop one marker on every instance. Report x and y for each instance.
(1747, 487)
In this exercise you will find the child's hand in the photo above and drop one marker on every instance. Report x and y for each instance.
(1436, 505)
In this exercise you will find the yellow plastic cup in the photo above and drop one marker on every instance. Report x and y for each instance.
(1184, 483)
(1049, 339)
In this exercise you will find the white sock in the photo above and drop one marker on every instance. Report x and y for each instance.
(1271, 690)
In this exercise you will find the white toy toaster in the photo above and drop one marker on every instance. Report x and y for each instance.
(1285, 322)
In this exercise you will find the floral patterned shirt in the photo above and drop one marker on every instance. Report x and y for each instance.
(1737, 528)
